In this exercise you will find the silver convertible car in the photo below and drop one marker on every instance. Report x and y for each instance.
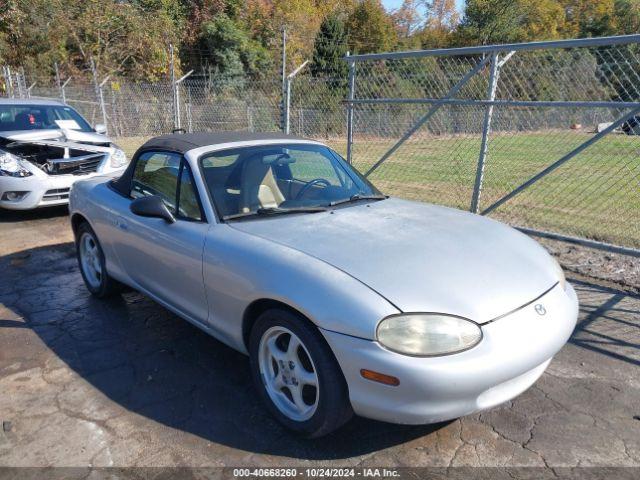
(344, 299)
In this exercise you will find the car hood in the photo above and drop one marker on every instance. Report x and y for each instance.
(62, 135)
(421, 257)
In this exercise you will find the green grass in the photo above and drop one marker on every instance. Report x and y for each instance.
(594, 195)
(130, 144)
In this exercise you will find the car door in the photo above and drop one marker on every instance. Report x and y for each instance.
(165, 259)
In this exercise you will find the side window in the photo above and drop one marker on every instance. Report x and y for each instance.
(156, 173)
(165, 174)
(188, 206)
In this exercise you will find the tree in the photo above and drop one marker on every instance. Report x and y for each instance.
(441, 20)
(407, 18)
(505, 21)
(329, 49)
(490, 21)
(589, 18)
(369, 28)
(229, 50)
(120, 36)
(627, 16)
(442, 14)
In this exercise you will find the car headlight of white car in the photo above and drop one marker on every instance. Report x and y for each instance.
(118, 158)
(12, 166)
(426, 335)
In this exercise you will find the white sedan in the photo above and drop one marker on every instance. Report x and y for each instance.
(45, 146)
(345, 300)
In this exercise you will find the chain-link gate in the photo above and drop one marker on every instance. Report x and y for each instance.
(542, 135)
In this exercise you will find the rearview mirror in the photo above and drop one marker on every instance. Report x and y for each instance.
(151, 206)
(100, 128)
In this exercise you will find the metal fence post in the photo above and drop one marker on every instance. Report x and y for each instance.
(283, 111)
(287, 102)
(189, 113)
(19, 78)
(63, 91)
(29, 88)
(177, 123)
(99, 94)
(58, 81)
(6, 72)
(486, 128)
(351, 96)
(287, 105)
(174, 89)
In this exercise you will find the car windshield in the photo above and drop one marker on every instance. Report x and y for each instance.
(276, 179)
(41, 117)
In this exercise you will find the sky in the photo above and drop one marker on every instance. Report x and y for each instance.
(392, 4)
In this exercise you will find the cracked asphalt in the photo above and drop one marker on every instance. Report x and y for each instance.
(124, 382)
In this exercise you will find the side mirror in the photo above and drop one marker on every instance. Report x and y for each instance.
(100, 128)
(151, 206)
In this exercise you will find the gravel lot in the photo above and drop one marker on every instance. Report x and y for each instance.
(126, 383)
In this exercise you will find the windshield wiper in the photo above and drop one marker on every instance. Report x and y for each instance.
(275, 211)
(356, 197)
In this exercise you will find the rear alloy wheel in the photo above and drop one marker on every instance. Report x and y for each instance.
(92, 264)
(297, 375)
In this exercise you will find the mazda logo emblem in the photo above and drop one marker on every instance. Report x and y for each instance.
(540, 310)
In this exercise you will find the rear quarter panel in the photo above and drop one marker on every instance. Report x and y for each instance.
(101, 207)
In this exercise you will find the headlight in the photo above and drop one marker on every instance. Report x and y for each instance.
(424, 334)
(118, 158)
(560, 274)
(12, 166)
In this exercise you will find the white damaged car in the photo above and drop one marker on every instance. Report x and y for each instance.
(45, 146)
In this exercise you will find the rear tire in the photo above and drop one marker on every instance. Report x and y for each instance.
(92, 264)
(301, 383)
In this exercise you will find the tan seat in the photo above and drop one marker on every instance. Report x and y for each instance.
(258, 186)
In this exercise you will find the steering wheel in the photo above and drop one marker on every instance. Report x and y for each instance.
(311, 183)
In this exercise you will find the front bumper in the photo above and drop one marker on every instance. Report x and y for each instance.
(513, 354)
(43, 190)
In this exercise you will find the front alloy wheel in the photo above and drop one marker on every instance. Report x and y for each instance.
(297, 375)
(288, 373)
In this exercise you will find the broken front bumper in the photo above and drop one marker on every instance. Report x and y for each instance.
(42, 190)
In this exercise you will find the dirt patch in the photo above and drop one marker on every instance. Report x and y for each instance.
(611, 269)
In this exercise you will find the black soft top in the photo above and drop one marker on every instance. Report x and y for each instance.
(183, 142)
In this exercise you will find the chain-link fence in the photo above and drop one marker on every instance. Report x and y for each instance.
(543, 136)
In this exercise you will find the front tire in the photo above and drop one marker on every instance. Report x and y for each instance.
(92, 264)
(297, 375)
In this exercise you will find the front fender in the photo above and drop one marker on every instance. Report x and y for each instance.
(240, 268)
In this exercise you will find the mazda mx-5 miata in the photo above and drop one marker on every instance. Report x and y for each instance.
(344, 299)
